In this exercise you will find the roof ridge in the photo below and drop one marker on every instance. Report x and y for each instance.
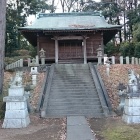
(41, 15)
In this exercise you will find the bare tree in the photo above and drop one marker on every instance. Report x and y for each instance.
(2, 40)
(70, 4)
(63, 5)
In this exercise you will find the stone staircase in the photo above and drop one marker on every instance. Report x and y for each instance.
(72, 92)
(71, 61)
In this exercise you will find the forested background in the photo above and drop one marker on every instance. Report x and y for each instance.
(120, 12)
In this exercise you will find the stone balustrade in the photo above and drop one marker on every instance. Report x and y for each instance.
(123, 60)
(16, 64)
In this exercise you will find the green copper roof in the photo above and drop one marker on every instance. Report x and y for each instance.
(69, 21)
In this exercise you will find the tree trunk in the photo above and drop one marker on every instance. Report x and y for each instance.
(2, 40)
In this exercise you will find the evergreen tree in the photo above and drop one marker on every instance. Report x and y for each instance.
(17, 13)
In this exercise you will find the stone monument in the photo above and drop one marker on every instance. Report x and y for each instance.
(107, 63)
(42, 56)
(122, 94)
(34, 73)
(99, 55)
(16, 115)
(131, 114)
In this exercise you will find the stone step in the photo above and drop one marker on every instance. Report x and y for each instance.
(70, 70)
(73, 111)
(71, 66)
(73, 102)
(73, 92)
(65, 75)
(74, 88)
(69, 107)
(76, 72)
(73, 80)
(65, 94)
(73, 85)
(88, 115)
(73, 97)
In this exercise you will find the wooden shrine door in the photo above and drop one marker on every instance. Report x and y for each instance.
(70, 49)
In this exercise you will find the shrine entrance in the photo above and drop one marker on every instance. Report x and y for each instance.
(70, 49)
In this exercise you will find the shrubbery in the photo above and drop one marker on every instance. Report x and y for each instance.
(111, 50)
(131, 49)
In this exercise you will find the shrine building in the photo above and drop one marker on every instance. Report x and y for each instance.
(70, 37)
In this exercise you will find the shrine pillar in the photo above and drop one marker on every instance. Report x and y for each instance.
(85, 50)
(56, 50)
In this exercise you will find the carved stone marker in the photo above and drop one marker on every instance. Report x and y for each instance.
(34, 73)
(42, 56)
(131, 114)
(16, 115)
(107, 66)
(99, 55)
(122, 94)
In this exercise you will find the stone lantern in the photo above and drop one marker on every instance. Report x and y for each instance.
(42, 56)
(99, 54)
(34, 72)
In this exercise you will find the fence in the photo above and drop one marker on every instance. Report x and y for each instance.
(123, 60)
(20, 63)
(35, 61)
(16, 64)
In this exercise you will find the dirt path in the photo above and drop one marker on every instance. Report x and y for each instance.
(39, 129)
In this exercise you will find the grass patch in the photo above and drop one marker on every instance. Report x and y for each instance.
(122, 132)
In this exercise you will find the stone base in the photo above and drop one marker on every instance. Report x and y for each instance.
(16, 114)
(131, 119)
(16, 123)
(131, 114)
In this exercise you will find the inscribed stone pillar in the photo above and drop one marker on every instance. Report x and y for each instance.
(21, 62)
(37, 60)
(18, 63)
(113, 59)
(105, 59)
(133, 60)
(121, 59)
(136, 61)
(139, 61)
(29, 62)
(34, 74)
(127, 60)
(42, 61)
